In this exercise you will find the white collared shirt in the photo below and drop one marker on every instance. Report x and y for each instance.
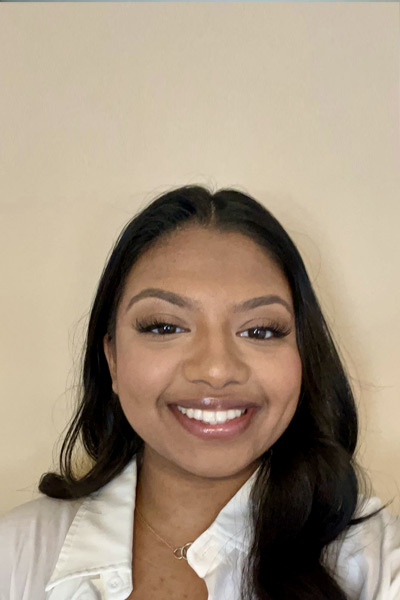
(82, 549)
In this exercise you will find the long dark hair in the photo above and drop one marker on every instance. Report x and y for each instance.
(308, 486)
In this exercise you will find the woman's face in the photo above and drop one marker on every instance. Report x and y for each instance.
(209, 351)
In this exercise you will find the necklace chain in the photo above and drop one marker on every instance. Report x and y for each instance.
(179, 552)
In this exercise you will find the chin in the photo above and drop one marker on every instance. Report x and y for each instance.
(213, 467)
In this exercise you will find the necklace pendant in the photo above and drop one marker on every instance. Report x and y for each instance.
(181, 552)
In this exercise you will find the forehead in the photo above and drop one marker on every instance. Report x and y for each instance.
(200, 257)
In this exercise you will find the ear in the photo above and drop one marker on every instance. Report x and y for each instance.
(110, 352)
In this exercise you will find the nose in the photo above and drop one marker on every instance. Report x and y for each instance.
(216, 360)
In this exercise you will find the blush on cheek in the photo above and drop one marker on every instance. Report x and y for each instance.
(282, 381)
(291, 375)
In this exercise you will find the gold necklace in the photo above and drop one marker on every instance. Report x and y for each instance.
(179, 552)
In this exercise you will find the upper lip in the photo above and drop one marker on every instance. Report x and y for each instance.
(209, 403)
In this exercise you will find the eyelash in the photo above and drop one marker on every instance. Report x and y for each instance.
(276, 328)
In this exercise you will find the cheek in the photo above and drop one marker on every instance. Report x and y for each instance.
(281, 377)
(141, 369)
(281, 381)
(141, 381)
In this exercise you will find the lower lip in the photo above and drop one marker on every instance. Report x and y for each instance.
(206, 431)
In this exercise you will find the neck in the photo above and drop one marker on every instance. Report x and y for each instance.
(178, 505)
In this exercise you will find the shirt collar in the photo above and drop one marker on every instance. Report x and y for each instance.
(100, 537)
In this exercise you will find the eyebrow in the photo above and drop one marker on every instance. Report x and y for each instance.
(185, 302)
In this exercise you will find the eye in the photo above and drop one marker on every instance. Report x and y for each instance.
(273, 329)
(146, 327)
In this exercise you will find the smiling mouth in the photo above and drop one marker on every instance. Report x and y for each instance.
(212, 417)
(214, 425)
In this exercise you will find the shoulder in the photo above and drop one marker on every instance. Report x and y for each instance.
(378, 534)
(31, 536)
(367, 555)
(49, 516)
(38, 509)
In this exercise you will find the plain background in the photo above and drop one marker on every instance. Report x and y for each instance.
(105, 106)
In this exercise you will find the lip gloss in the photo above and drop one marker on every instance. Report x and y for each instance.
(207, 431)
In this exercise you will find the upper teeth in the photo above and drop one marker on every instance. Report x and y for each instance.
(211, 416)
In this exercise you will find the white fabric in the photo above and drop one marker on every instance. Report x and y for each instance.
(82, 550)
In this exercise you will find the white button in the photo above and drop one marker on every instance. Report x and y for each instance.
(115, 583)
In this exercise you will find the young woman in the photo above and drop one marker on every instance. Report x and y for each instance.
(220, 427)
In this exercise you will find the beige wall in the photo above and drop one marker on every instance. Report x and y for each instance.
(103, 106)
